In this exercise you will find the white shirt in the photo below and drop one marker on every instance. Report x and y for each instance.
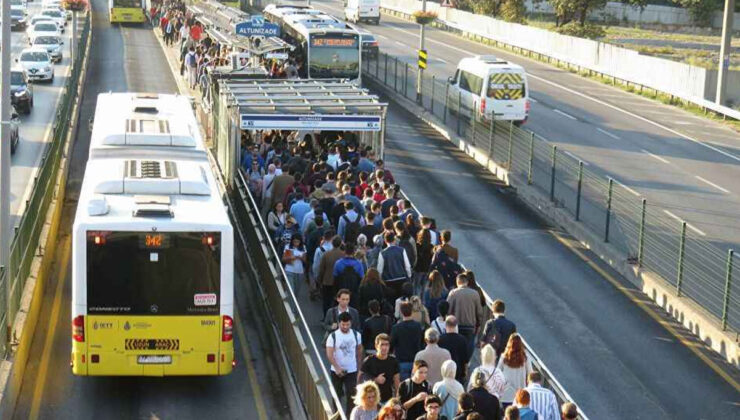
(345, 349)
(543, 402)
(297, 265)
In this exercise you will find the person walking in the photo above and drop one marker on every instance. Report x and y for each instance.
(456, 345)
(495, 381)
(393, 264)
(521, 400)
(448, 389)
(294, 258)
(366, 402)
(542, 400)
(569, 411)
(382, 368)
(515, 366)
(498, 330)
(432, 406)
(331, 318)
(191, 65)
(344, 351)
(406, 340)
(371, 288)
(424, 253)
(434, 292)
(465, 305)
(486, 403)
(392, 410)
(414, 390)
(434, 355)
(325, 273)
(375, 325)
(348, 273)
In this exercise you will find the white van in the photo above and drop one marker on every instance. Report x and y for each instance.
(490, 86)
(367, 10)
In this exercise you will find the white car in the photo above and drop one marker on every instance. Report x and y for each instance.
(37, 63)
(57, 16)
(42, 28)
(52, 45)
(67, 13)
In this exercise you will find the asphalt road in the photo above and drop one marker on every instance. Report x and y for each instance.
(35, 128)
(681, 163)
(614, 360)
(129, 58)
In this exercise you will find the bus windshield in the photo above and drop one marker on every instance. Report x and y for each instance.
(334, 56)
(127, 3)
(153, 273)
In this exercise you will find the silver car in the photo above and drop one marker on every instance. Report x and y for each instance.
(52, 45)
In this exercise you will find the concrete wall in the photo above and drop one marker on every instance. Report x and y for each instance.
(678, 79)
(651, 14)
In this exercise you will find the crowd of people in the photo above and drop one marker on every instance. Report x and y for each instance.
(402, 317)
(198, 51)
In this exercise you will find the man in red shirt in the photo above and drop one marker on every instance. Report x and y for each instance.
(195, 31)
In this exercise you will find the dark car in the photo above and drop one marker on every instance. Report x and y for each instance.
(369, 45)
(15, 123)
(21, 92)
(17, 19)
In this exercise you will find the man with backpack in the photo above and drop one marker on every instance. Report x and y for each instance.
(348, 272)
(465, 306)
(413, 391)
(191, 64)
(350, 223)
(344, 351)
(498, 329)
(331, 318)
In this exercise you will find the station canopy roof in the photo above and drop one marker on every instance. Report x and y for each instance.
(301, 97)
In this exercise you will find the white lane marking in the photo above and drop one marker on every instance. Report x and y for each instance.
(439, 59)
(591, 98)
(687, 224)
(656, 156)
(630, 190)
(566, 115)
(712, 184)
(683, 122)
(575, 157)
(381, 36)
(667, 340)
(602, 131)
(400, 43)
(533, 99)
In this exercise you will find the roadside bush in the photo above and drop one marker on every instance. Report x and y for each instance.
(588, 30)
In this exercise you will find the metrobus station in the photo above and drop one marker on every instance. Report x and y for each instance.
(319, 109)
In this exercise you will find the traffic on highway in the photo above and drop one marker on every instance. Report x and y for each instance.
(296, 210)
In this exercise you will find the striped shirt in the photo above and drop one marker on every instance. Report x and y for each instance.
(543, 402)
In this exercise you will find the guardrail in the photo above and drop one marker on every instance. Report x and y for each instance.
(645, 233)
(319, 397)
(26, 239)
(469, 30)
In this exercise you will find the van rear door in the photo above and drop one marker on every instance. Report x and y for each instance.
(507, 94)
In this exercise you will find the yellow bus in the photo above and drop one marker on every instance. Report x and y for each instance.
(127, 11)
(153, 250)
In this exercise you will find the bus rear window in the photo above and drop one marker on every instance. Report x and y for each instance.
(506, 86)
(153, 273)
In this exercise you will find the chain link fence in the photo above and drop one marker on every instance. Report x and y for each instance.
(646, 233)
(26, 238)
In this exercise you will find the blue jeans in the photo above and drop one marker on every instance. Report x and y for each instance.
(405, 369)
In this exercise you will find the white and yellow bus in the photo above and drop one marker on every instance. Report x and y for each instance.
(127, 11)
(153, 258)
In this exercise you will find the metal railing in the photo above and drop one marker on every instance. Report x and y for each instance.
(26, 237)
(306, 362)
(650, 236)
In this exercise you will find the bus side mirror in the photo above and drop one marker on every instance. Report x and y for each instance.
(90, 124)
(450, 80)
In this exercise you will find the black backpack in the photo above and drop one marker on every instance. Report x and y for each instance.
(351, 229)
(349, 279)
(447, 267)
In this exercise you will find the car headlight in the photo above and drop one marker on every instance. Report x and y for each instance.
(47, 68)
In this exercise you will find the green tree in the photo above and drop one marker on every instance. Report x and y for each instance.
(574, 10)
(513, 11)
(701, 11)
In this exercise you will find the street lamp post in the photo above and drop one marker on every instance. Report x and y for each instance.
(5, 230)
(724, 52)
(420, 71)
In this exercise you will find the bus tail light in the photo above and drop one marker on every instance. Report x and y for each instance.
(483, 106)
(527, 106)
(78, 328)
(228, 328)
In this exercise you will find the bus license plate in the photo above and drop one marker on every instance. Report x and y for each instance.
(155, 360)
